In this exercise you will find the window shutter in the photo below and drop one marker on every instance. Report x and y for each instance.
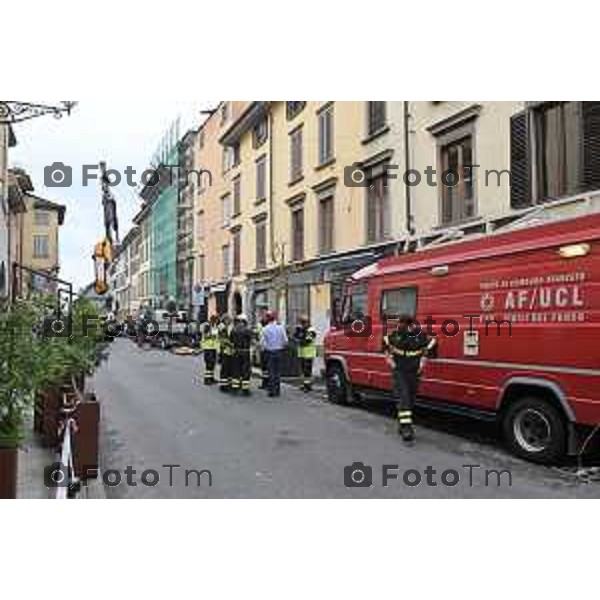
(520, 193)
(591, 146)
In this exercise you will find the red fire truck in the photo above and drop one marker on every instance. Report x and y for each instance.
(517, 318)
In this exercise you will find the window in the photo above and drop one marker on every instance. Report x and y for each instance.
(377, 117)
(236, 155)
(237, 252)
(231, 157)
(227, 161)
(261, 303)
(225, 259)
(356, 302)
(237, 195)
(558, 137)
(225, 112)
(458, 200)
(296, 159)
(294, 108)
(326, 135)
(260, 133)
(226, 210)
(261, 178)
(42, 218)
(261, 245)
(298, 303)
(377, 208)
(399, 302)
(298, 234)
(326, 207)
(41, 246)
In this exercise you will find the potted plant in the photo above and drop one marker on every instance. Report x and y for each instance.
(17, 386)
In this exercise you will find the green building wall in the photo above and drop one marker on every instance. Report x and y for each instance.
(164, 245)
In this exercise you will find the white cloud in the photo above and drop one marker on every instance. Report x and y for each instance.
(123, 133)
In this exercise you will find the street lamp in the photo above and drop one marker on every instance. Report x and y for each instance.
(14, 111)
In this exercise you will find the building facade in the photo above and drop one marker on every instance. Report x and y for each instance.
(214, 210)
(33, 232)
(143, 292)
(124, 276)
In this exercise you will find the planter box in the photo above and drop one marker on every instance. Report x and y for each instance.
(50, 416)
(8, 473)
(87, 440)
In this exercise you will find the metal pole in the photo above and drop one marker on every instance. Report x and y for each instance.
(409, 212)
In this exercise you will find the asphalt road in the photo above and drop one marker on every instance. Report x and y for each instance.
(156, 412)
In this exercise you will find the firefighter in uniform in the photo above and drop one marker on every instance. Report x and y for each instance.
(305, 337)
(210, 348)
(241, 339)
(406, 347)
(226, 353)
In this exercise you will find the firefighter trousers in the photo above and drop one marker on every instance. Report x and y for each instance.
(210, 362)
(242, 372)
(226, 374)
(406, 384)
(306, 365)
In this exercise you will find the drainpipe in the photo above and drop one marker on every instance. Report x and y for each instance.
(274, 258)
(271, 199)
(408, 189)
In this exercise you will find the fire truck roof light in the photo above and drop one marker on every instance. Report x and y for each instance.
(575, 251)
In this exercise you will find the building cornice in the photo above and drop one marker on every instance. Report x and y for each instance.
(256, 111)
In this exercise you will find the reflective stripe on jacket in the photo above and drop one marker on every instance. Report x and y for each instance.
(210, 338)
(307, 343)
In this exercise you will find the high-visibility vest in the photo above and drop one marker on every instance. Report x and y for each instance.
(225, 339)
(210, 337)
(308, 348)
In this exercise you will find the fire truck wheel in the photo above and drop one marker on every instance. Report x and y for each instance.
(535, 430)
(337, 384)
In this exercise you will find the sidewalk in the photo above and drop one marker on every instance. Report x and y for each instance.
(33, 460)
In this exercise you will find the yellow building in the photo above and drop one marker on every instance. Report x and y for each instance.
(34, 224)
(214, 208)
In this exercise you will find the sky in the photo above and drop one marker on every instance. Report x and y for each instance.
(122, 133)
